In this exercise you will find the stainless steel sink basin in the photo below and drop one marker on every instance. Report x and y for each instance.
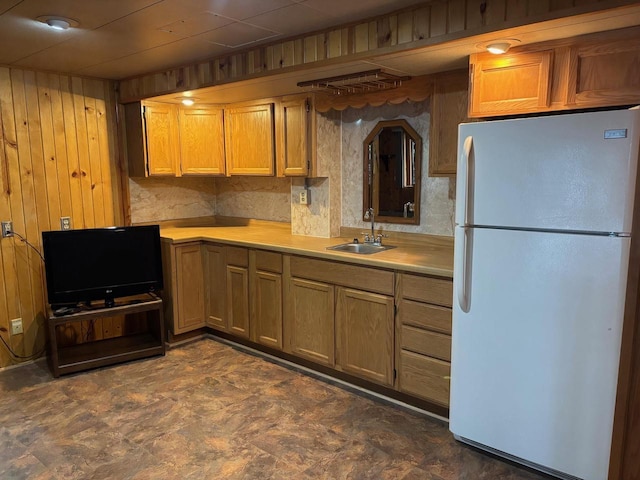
(362, 248)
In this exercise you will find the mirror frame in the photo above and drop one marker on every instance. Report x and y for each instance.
(370, 149)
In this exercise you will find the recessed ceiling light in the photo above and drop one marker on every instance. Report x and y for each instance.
(188, 101)
(58, 23)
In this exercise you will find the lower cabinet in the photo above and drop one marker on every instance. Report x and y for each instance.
(332, 321)
(183, 292)
(424, 337)
(310, 321)
(237, 279)
(386, 327)
(265, 291)
(364, 336)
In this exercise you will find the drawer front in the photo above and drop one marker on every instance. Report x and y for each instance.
(426, 342)
(362, 278)
(424, 315)
(427, 289)
(237, 256)
(269, 261)
(425, 377)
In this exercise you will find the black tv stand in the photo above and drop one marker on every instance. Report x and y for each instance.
(99, 353)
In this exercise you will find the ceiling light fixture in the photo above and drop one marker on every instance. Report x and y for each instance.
(58, 23)
(188, 101)
(498, 48)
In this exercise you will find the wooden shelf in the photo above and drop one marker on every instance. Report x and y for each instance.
(100, 353)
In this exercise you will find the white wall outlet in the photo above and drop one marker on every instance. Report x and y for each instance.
(16, 326)
(304, 197)
(7, 229)
(65, 223)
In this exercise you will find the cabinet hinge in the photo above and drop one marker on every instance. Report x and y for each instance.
(395, 374)
(395, 310)
(307, 106)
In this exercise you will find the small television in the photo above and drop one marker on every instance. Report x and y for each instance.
(101, 264)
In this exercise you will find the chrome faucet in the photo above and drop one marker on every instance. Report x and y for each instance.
(368, 215)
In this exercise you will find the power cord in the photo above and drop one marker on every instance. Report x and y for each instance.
(11, 233)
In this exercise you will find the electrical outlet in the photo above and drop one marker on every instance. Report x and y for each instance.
(65, 223)
(16, 326)
(304, 197)
(7, 229)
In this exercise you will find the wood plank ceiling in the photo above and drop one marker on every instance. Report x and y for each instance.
(121, 38)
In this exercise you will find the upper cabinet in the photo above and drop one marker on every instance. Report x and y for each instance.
(164, 139)
(590, 71)
(448, 109)
(510, 84)
(295, 127)
(249, 139)
(152, 139)
(201, 141)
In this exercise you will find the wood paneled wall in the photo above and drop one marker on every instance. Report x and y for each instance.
(57, 158)
(430, 23)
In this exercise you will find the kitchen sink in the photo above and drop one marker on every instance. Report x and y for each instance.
(362, 248)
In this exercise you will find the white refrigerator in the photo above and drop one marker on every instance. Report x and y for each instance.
(543, 222)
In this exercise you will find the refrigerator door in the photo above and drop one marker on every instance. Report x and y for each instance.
(564, 172)
(535, 355)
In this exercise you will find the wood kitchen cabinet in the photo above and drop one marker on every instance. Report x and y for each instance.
(336, 308)
(215, 281)
(167, 140)
(152, 139)
(424, 337)
(309, 320)
(250, 139)
(265, 289)
(589, 71)
(183, 293)
(295, 128)
(237, 279)
(448, 109)
(364, 335)
(201, 141)
(510, 84)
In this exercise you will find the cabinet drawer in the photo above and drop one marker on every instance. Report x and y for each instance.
(424, 315)
(238, 256)
(361, 278)
(427, 289)
(269, 261)
(426, 342)
(425, 377)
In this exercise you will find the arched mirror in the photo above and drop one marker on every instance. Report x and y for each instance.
(392, 161)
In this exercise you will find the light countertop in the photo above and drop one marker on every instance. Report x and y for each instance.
(430, 255)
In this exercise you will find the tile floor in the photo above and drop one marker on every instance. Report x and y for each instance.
(209, 411)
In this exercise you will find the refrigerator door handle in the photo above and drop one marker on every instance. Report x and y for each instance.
(462, 271)
(468, 144)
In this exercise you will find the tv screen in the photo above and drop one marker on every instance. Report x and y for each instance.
(101, 263)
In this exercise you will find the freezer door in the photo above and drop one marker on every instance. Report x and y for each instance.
(535, 355)
(565, 172)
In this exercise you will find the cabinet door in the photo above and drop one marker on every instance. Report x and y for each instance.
(364, 338)
(267, 309)
(249, 140)
(510, 84)
(309, 325)
(603, 74)
(201, 141)
(294, 136)
(161, 139)
(189, 289)
(238, 300)
(216, 286)
(449, 104)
